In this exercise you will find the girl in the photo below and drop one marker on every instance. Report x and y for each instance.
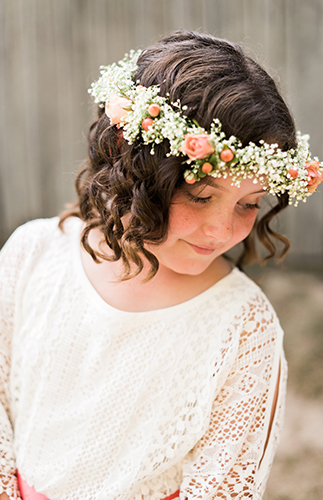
(137, 363)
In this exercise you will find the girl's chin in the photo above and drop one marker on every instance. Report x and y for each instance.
(192, 267)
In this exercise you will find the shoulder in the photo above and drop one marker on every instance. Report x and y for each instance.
(17, 258)
(240, 296)
(260, 333)
(237, 315)
(37, 232)
(248, 294)
(253, 323)
(30, 241)
(230, 304)
(31, 232)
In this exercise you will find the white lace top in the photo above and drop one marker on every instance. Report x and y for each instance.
(102, 404)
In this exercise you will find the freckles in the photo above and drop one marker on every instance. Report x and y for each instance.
(181, 218)
(244, 225)
(246, 228)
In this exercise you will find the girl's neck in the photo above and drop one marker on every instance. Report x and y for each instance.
(167, 288)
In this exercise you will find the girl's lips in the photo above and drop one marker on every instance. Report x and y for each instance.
(201, 250)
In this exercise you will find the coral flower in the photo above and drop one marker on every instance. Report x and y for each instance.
(207, 168)
(146, 123)
(227, 155)
(190, 179)
(154, 110)
(315, 175)
(117, 109)
(293, 173)
(197, 146)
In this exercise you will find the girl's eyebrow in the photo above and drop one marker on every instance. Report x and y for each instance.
(214, 184)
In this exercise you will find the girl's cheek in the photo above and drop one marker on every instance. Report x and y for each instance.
(182, 217)
(247, 223)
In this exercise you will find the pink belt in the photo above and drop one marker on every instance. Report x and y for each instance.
(28, 493)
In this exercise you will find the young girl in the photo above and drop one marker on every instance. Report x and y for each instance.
(137, 363)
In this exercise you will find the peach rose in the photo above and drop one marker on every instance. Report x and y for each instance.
(197, 146)
(117, 109)
(315, 175)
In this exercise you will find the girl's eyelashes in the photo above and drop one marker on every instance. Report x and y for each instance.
(206, 199)
(197, 199)
(250, 206)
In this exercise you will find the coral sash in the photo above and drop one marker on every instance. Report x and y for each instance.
(172, 496)
(27, 492)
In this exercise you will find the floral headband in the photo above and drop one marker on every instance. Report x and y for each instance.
(143, 114)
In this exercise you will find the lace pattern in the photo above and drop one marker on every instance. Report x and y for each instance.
(226, 460)
(9, 276)
(121, 406)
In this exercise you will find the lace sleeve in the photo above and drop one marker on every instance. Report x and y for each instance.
(233, 458)
(9, 268)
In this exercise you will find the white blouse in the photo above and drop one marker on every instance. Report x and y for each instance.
(102, 404)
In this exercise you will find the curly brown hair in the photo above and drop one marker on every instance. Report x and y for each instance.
(214, 79)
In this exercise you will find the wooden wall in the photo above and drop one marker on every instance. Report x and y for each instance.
(50, 52)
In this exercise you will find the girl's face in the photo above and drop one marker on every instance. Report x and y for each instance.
(206, 220)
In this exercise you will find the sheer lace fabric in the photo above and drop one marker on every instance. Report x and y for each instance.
(103, 404)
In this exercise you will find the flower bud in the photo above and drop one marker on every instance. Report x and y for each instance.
(293, 172)
(146, 123)
(154, 110)
(207, 168)
(226, 155)
(190, 179)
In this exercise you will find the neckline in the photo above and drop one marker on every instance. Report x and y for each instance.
(100, 303)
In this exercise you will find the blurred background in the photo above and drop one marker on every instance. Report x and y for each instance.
(50, 52)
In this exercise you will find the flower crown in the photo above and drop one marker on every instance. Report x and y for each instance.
(143, 114)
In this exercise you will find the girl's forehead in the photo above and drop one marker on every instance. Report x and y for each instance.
(226, 185)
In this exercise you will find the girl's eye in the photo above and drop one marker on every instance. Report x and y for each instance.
(197, 199)
(250, 206)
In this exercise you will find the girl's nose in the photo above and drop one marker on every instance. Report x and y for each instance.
(220, 227)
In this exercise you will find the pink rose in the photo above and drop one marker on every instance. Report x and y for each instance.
(197, 146)
(315, 176)
(117, 109)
